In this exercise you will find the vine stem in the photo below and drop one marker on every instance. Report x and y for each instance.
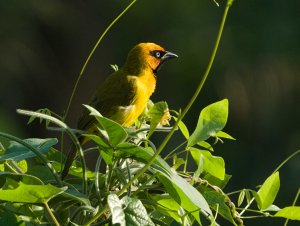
(51, 214)
(180, 117)
(91, 54)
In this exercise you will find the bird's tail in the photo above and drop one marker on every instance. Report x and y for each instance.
(70, 158)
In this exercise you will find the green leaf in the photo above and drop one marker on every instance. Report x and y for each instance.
(167, 206)
(222, 134)
(75, 195)
(212, 164)
(241, 197)
(206, 145)
(218, 202)
(135, 212)
(103, 143)
(179, 189)
(9, 218)
(127, 150)
(290, 212)
(185, 194)
(272, 208)
(178, 162)
(18, 152)
(25, 178)
(268, 191)
(184, 130)
(217, 182)
(115, 206)
(112, 131)
(30, 193)
(157, 113)
(212, 119)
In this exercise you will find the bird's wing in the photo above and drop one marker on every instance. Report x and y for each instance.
(116, 91)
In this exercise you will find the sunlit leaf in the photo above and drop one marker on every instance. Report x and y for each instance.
(185, 194)
(212, 119)
(179, 189)
(114, 132)
(268, 191)
(167, 206)
(116, 209)
(241, 197)
(212, 164)
(222, 134)
(135, 212)
(290, 212)
(30, 193)
(184, 130)
(157, 113)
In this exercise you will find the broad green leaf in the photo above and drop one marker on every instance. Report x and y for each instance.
(218, 202)
(135, 213)
(157, 113)
(18, 152)
(167, 206)
(212, 164)
(112, 131)
(268, 191)
(185, 194)
(290, 212)
(116, 209)
(30, 193)
(212, 119)
(179, 189)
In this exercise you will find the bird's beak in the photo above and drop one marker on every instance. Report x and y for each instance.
(168, 55)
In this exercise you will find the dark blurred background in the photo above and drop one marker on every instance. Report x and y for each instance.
(43, 45)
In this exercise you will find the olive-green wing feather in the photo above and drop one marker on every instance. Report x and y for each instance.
(117, 90)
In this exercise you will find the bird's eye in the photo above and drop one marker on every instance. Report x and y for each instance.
(157, 54)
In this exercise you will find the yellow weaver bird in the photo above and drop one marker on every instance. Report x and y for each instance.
(124, 94)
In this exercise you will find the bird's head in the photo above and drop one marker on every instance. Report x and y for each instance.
(147, 56)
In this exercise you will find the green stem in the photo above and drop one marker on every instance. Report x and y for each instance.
(170, 154)
(91, 54)
(180, 117)
(285, 161)
(97, 169)
(51, 214)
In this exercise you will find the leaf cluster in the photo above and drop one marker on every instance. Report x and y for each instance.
(185, 187)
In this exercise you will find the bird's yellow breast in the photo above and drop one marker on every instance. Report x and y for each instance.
(145, 86)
